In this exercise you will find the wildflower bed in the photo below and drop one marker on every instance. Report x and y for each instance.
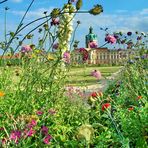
(32, 115)
(37, 110)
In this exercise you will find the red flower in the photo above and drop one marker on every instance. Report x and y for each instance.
(139, 97)
(131, 108)
(94, 95)
(105, 106)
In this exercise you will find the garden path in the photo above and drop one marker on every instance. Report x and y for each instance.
(100, 86)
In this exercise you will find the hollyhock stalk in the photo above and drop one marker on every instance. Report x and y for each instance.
(65, 28)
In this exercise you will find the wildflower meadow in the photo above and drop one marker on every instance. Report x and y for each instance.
(38, 106)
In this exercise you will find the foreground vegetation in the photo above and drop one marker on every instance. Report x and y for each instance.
(37, 110)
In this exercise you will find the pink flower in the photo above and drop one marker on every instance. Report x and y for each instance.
(29, 132)
(26, 48)
(93, 44)
(96, 74)
(4, 140)
(15, 135)
(110, 39)
(66, 57)
(44, 130)
(32, 123)
(52, 111)
(47, 139)
(55, 46)
(39, 112)
(55, 21)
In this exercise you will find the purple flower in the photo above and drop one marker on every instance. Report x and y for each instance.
(116, 36)
(55, 46)
(44, 130)
(144, 56)
(73, 1)
(139, 38)
(129, 33)
(110, 39)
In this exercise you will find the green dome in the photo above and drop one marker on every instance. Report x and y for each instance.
(91, 36)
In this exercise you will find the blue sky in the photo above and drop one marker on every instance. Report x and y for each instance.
(118, 15)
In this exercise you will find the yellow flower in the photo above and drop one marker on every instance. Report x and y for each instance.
(29, 118)
(2, 94)
(50, 57)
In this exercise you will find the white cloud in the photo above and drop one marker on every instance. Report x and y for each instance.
(16, 1)
(123, 22)
(34, 13)
(144, 11)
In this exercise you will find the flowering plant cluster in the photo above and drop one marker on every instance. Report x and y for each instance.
(37, 109)
(84, 53)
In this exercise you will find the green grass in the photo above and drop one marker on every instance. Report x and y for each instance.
(81, 76)
(77, 76)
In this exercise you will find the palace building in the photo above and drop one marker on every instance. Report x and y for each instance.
(98, 55)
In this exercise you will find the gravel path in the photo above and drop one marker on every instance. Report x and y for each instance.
(101, 86)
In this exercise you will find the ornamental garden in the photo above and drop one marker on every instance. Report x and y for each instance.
(66, 96)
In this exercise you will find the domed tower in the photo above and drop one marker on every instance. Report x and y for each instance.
(91, 39)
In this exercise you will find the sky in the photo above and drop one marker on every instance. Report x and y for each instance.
(118, 15)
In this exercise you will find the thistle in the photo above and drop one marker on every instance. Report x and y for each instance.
(96, 10)
(55, 13)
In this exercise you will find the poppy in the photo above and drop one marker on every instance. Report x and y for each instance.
(105, 106)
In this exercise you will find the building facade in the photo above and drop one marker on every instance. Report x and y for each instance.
(98, 55)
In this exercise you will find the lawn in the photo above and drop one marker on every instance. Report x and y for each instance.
(79, 76)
